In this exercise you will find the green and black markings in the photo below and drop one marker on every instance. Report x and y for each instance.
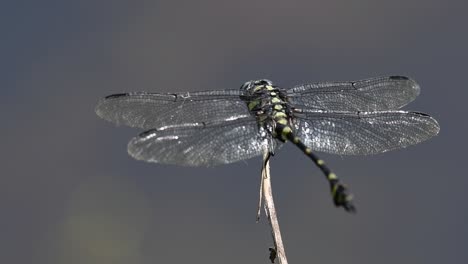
(340, 194)
(272, 111)
(210, 128)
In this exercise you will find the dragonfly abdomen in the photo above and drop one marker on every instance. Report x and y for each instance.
(340, 194)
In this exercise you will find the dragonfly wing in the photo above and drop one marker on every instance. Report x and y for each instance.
(374, 94)
(199, 144)
(363, 133)
(151, 110)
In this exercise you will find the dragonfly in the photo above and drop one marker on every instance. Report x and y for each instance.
(210, 128)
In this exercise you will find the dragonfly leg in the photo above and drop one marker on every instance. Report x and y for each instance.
(340, 193)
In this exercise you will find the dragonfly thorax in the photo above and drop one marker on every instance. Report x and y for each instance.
(268, 104)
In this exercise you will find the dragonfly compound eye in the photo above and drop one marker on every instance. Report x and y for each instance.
(247, 86)
(263, 82)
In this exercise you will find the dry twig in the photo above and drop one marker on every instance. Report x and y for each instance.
(266, 195)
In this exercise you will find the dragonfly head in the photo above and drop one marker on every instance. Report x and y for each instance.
(253, 86)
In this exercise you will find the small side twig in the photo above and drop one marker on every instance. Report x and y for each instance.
(270, 211)
(260, 192)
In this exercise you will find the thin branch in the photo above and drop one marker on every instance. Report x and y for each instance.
(270, 212)
(260, 196)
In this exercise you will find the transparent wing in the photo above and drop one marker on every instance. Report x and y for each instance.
(151, 110)
(200, 144)
(375, 94)
(363, 133)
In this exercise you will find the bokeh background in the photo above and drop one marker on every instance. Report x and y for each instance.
(69, 193)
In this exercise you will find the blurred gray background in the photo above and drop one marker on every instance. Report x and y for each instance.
(69, 193)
